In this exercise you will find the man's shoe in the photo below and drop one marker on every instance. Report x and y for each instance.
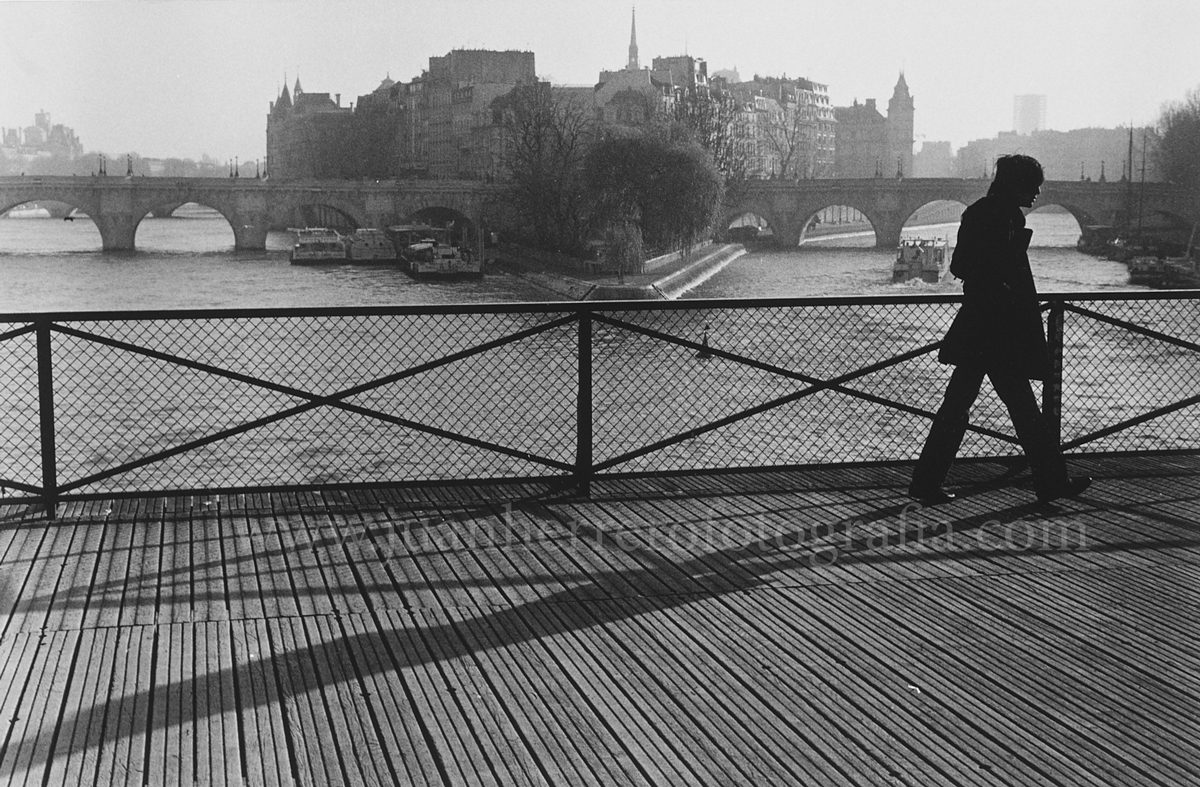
(930, 497)
(1073, 488)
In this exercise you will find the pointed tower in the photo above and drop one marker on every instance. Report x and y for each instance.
(900, 130)
(632, 65)
(298, 90)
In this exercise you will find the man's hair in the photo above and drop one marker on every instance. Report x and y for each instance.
(1017, 171)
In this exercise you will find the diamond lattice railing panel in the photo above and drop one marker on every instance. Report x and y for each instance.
(113, 406)
(645, 390)
(20, 424)
(320, 354)
(116, 406)
(1112, 374)
(650, 389)
(323, 446)
(522, 395)
(824, 428)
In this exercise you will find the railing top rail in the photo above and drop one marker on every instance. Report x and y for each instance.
(536, 307)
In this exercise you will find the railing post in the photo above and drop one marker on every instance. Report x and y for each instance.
(583, 407)
(1052, 385)
(45, 370)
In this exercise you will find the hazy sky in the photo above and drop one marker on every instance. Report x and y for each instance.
(186, 77)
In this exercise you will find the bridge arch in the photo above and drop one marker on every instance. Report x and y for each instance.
(219, 206)
(813, 227)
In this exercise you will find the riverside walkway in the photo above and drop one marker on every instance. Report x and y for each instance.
(782, 627)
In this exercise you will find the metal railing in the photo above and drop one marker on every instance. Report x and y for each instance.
(126, 403)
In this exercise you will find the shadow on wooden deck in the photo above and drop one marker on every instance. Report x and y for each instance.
(791, 627)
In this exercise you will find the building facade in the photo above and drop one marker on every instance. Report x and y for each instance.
(1029, 114)
(785, 128)
(307, 135)
(41, 142)
(871, 145)
(434, 126)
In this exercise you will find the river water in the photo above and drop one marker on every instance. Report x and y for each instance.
(188, 262)
(113, 408)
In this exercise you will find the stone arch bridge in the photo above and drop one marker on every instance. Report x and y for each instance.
(253, 207)
(887, 203)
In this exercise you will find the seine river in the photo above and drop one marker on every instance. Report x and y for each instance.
(188, 262)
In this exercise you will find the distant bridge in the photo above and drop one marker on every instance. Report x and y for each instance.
(252, 207)
(888, 203)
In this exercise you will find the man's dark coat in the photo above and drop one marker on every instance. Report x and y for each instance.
(999, 326)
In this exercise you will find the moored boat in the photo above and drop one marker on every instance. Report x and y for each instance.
(370, 246)
(1166, 272)
(317, 246)
(426, 253)
(921, 258)
(1169, 273)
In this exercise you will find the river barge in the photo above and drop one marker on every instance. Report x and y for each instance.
(921, 258)
(317, 246)
(426, 253)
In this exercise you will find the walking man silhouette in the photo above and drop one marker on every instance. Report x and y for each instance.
(997, 334)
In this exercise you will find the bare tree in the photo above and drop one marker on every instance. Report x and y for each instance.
(710, 120)
(1177, 151)
(544, 139)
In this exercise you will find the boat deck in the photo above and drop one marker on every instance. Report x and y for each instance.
(799, 627)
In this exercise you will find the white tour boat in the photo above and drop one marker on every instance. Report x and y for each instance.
(317, 245)
(921, 258)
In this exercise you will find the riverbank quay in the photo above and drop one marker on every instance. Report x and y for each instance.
(663, 278)
(806, 626)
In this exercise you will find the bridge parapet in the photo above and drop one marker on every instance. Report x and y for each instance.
(888, 203)
(251, 206)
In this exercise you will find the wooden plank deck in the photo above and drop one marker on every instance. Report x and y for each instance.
(800, 627)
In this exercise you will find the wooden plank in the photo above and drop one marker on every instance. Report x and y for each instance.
(114, 552)
(182, 753)
(304, 711)
(232, 738)
(271, 567)
(241, 565)
(838, 736)
(500, 750)
(175, 578)
(27, 736)
(50, 706)
(19, 545)
(330, 535)
(404, 637)
(160, 708)
(80, 739)
(37, 571)
(561, 731)
(1022, 745)
(145, 570)
(75, 588)
(19, 673)
(404, 737)
(304, 570)
(358, 743)
(739, 717)
(210, 596)
(268, 760)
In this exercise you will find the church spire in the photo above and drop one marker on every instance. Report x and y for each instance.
(632, 65)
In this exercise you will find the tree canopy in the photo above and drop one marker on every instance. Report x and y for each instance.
(670, 190)
(1178, 149)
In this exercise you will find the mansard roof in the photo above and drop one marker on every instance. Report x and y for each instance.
(859, 113)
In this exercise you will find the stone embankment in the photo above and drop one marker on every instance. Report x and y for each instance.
(664, 278)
